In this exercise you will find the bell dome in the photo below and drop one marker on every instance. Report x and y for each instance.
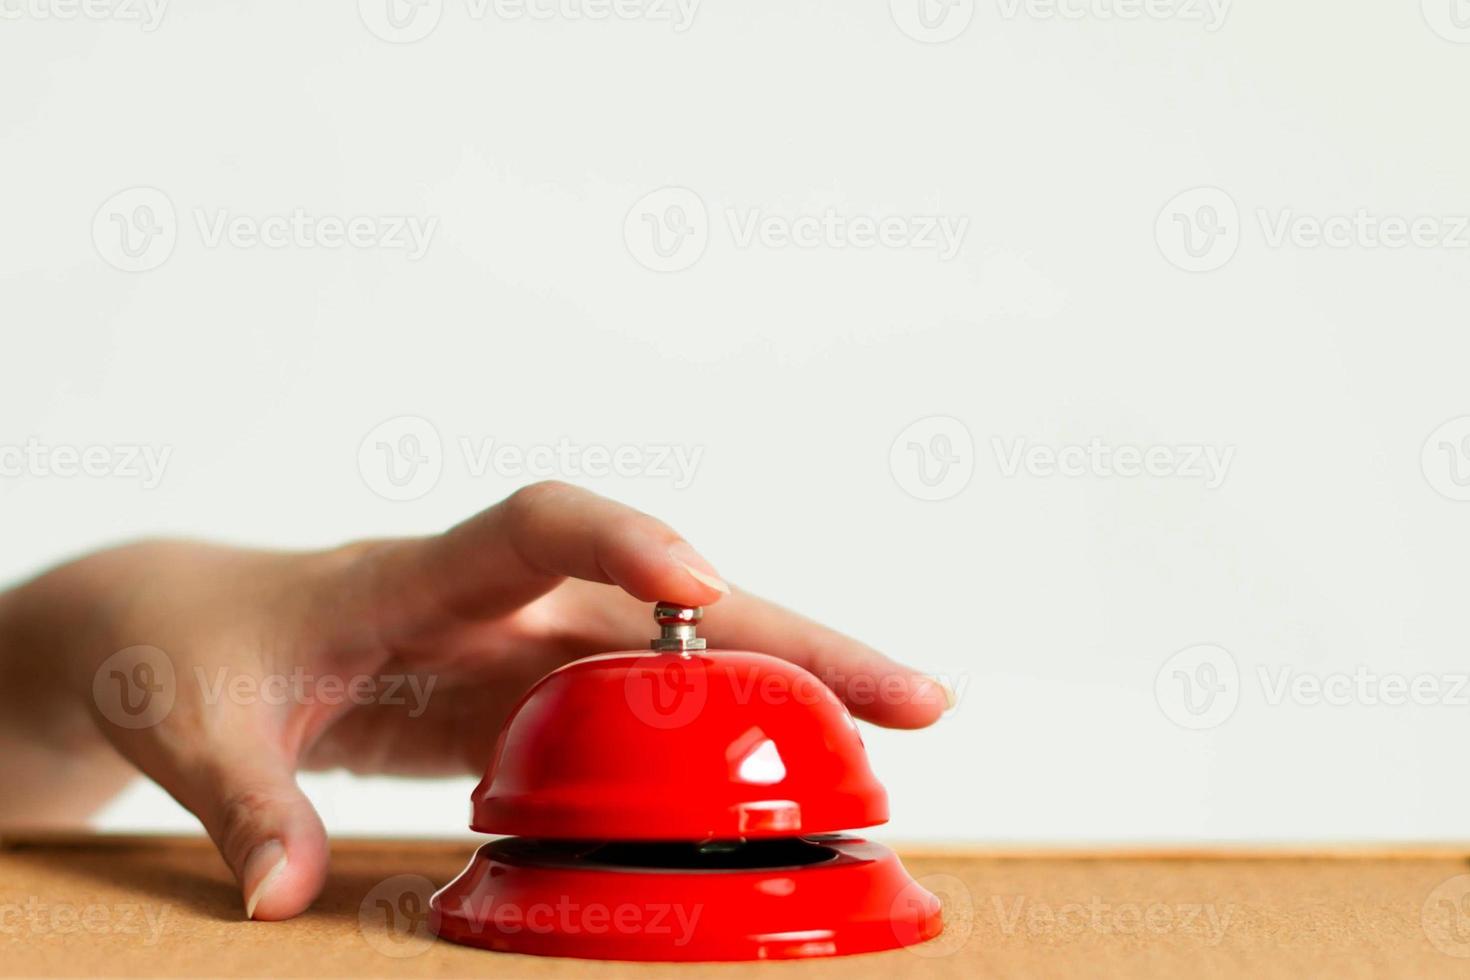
(678, 744)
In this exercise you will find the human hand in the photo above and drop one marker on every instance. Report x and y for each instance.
(258, 642)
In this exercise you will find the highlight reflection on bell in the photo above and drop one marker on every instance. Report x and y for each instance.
(705, 783)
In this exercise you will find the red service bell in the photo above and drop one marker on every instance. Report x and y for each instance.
(681, 804)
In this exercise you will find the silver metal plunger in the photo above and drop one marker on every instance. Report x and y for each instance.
(676, 628)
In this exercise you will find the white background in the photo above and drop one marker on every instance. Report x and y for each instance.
(1053, 602)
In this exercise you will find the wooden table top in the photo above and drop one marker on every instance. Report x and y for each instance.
(139, 906)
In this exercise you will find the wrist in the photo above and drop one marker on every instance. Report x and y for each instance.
(56, 764)
(34, 684)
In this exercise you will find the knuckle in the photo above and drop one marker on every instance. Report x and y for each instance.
(244, 817)
(635, 530)
(523, 505)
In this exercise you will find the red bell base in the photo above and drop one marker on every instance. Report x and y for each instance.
(825, 896)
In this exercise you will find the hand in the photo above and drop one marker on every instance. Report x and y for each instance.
(263, 646)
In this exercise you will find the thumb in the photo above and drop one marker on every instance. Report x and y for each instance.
(267, 831)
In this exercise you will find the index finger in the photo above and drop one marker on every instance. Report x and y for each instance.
(523, 547)
(874, 687)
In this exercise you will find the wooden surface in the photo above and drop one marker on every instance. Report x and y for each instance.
(167, 907)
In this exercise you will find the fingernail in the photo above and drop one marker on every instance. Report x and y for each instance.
(262, 868)
(699, 569)
(949, 696)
